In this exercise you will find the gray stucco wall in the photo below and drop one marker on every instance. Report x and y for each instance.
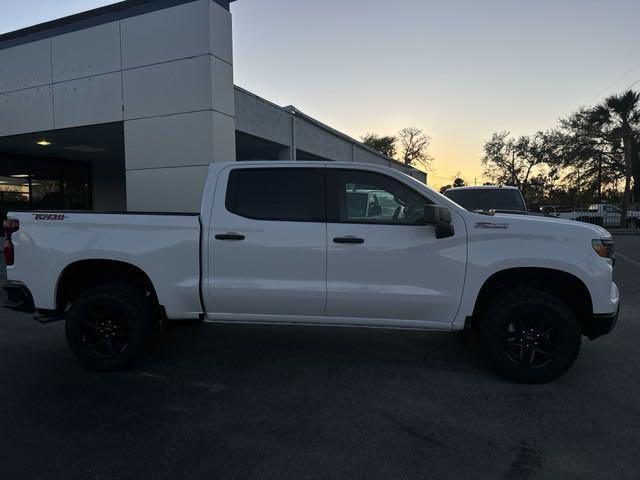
(294, 130)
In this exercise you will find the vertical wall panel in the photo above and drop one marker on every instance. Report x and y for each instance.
(165, 35)
(224, 145)
(88, 101)
(168, 88)
(169, 141)
(25, 66)
(93, 51)
(221, 35)
(166, 189)
(222, 91)
(26, 111)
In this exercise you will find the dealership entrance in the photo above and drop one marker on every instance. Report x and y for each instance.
(70, 169)
(38, 184)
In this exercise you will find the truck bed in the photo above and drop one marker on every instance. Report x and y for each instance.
(164, 246)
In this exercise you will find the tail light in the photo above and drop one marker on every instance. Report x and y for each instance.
(10, 227)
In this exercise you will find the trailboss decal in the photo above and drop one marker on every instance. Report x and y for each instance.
(49, 217)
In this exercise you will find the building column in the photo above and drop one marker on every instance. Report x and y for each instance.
(178, 102)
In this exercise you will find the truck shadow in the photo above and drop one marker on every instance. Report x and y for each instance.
(228, 348)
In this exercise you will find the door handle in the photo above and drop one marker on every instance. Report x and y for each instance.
(230, 236)
(352, 240)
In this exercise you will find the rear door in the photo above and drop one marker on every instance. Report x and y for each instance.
(267, 245)
(383, 266)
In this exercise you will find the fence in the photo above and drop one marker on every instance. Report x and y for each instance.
(605, 215)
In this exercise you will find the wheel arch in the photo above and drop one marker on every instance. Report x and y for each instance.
(82, 275)
(563, 285)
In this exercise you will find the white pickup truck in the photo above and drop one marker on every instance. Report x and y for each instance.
(603, 214)
(293, 243)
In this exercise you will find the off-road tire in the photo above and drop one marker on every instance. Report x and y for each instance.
(119, 313)
(502, 325)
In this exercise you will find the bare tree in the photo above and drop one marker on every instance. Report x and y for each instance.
(414, 145)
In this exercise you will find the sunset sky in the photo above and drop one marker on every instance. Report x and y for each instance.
(460, 70)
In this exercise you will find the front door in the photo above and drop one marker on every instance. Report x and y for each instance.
(267, 254)
(383, 266)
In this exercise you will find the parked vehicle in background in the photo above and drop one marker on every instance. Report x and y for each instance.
(488, 198)
(603, 214)
(555, 210)
(319, 243)
(365, 204)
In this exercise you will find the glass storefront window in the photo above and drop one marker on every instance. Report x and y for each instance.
(46, 187)
(43, 184)
(77, 188)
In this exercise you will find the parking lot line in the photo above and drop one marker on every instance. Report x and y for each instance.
(628, 259)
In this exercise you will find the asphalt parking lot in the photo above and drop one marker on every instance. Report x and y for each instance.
(238, 402)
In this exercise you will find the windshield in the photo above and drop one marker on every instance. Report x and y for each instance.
(488, 199)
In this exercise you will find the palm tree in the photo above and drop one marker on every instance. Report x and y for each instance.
(619, 115)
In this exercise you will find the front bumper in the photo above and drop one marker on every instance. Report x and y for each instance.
(19, 298)
(601, 324)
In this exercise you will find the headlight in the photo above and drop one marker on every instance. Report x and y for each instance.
(604, 248)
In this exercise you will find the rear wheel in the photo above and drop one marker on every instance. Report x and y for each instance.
(530, 336)
(109, 326)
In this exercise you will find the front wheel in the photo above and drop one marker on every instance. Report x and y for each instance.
(530, 336)
(108, 326)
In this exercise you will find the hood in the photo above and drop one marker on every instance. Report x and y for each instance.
(540, 224)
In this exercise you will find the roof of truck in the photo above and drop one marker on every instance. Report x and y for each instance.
(484, 187)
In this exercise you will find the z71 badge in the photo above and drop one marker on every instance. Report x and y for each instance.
(49, 217)
(491, 225)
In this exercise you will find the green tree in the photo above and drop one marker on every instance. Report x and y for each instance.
(459, 182)
(385, 144)
(590, 156)
(516, 161)
(619, 117)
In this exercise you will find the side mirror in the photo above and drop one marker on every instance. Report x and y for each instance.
(440, 218)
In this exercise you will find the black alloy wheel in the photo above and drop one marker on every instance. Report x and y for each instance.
(529, 336)
(109, 326)
(105, 332)
(534, 342)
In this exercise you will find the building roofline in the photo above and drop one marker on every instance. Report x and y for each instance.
(88, 19)
(291, 110)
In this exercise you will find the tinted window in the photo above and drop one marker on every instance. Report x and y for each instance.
(285, 194)
(486, 199)
(364, 197)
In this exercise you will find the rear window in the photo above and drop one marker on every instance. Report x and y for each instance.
(488, 199)
(277, 194)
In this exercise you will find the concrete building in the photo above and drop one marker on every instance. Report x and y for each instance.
(123, 107)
